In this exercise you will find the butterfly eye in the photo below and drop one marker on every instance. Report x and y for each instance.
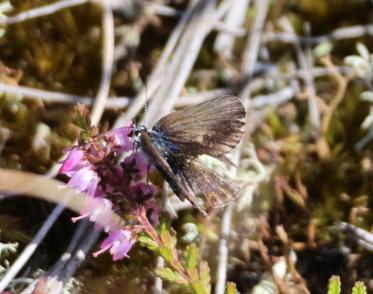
(138, 130)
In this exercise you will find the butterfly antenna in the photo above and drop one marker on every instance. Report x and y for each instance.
(146, 104)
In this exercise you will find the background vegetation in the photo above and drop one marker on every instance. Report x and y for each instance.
(304, 71)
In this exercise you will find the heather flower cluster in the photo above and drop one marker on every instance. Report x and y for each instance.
(112, 172)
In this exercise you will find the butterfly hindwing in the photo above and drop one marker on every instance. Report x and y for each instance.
(217, 189)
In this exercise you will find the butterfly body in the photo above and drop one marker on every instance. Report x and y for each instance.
(176, 141)
(157, 155)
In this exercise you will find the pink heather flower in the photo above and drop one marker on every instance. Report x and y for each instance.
(85, 180)
(119, 243)
(99, 210)
(121, 136)
(100, 192)
(153, 212)
(93, 168)
(72, 160)
(142, 191)
(139, 162)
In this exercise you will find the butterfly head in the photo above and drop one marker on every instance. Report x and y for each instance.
(139, 129)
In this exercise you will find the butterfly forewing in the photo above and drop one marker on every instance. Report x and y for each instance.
(213, 127)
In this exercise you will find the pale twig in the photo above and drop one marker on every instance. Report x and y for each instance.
(338, 34)
(294, 83)
(221, 27)
(225, 229)
(302, 73)
(156, 77)
(58, 97)
(221, 275)
(181, 63)
(221, 10)
(305, 65)
(247, 69)
(362, 237)
(158, 284)
(44, 188)
(67, 255)
(274, 72)
(89, 238)
(41, 11)
(107, 64)
(287, 37)
(253, 42)
(252, 48)
(235, 18)
(307, 59)
(323, 149)
(273, 99)
(163, 10)
(14, 182)
(337, 99)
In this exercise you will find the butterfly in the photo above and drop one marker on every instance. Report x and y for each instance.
(175, 142)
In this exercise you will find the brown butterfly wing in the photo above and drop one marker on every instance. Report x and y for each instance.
(217, 189)
(213, 127)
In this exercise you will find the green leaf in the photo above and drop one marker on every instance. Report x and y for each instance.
(148, 242)
(230, 288)
(334, 285)
(81, 116)
(359, 288)
(204, 275)
(199, 289)
(171, 276)
(82, 120)
(167, 238)
(165, 235)
(166, 253)
(191, 257)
